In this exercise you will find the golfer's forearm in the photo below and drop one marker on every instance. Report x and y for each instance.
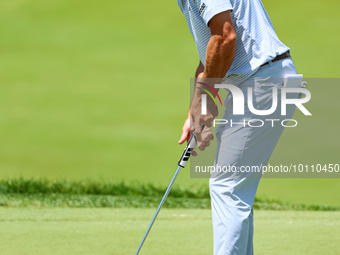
(199, 70)
(220, 55)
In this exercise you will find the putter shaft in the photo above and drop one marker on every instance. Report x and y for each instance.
(181, 164)
(159, 208)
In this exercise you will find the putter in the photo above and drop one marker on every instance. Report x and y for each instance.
(181, 164)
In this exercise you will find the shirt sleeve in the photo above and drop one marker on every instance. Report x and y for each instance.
(209, 8)
(180, 5)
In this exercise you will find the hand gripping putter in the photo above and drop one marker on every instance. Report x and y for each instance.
(181, 164)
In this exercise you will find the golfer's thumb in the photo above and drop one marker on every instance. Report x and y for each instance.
(183, 137)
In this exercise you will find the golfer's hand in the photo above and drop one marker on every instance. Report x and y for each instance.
(198, 120)
(185, 132)
(206, 135)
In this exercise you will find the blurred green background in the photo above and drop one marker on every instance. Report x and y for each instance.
(100, 89)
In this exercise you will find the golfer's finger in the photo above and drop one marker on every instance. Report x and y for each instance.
(206, 133)
(208, 124)
(207, 120)
(184, 137)
(194, 153)
(207, 143)
(201, 145)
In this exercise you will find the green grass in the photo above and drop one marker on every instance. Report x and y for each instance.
(87, 193)
(109, 201)
(90, 187)
(100, 90)
(176, 231)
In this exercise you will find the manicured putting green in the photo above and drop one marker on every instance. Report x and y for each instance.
(176, 231)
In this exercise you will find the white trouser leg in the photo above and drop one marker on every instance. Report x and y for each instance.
(232, 195)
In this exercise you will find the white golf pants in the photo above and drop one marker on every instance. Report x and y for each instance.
(232, 196)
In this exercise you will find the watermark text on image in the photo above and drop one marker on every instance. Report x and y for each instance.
(300, 168)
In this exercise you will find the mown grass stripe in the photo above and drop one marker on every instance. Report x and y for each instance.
(102, 201)
(96, 194)
(98, 201)
(90, 187)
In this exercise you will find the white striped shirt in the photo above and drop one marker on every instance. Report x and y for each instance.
(257, 42)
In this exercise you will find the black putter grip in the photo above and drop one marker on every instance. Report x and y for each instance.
(188, 150)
